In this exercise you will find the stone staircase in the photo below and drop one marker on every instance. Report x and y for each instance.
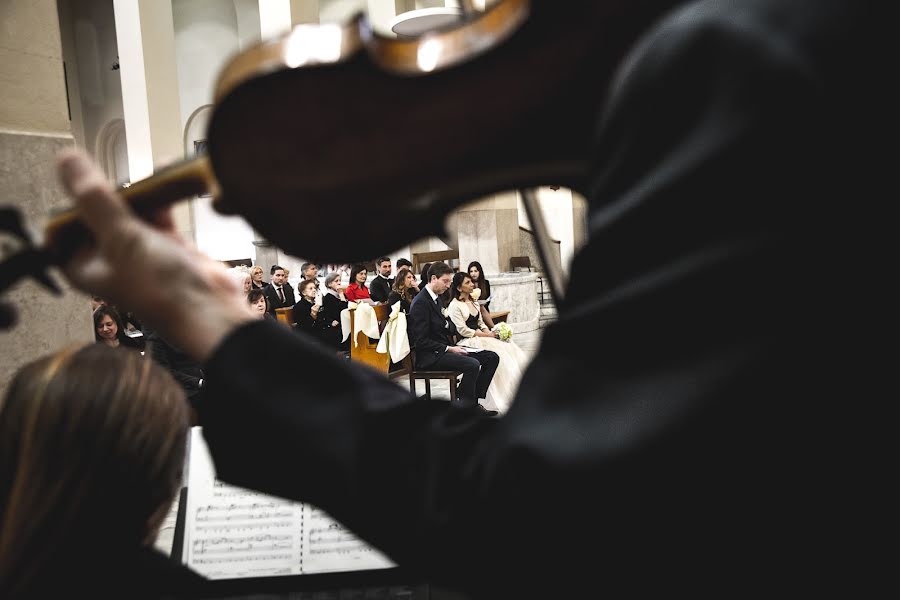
(545, 299)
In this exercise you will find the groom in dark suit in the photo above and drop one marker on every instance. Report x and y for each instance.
(429, 335)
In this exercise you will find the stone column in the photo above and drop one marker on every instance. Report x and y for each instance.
(145, 34)
(34, 127)
(488, 231)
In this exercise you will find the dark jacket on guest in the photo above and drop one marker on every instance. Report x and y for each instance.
(274, 301)
(380, 288)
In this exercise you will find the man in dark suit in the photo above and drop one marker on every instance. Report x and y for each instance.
(278, 291)
(380, 288)
(429, 334)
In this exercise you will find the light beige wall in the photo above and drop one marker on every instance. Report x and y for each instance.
(34, 96)
(34, 127)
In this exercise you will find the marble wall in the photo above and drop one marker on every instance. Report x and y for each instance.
(34, 127)
(46, 322)
(517, 293)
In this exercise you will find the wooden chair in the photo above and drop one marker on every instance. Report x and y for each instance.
(452, 378)
(285, 315)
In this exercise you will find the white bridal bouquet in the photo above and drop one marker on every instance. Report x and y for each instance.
(504, 331)
(475, 295)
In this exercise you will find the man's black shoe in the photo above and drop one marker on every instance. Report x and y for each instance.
(485, 412)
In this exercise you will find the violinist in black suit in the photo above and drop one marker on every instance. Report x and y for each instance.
(279, 292)
(429, 334)
(710, 411)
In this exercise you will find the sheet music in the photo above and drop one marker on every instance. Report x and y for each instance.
(233, 532)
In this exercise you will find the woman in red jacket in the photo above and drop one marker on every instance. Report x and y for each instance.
(357, 290)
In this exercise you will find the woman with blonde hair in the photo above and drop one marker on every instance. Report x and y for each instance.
(92, 445)
(242, 278)
(256, 278)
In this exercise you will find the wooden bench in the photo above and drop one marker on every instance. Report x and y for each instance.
(285, 315)
(366, 352)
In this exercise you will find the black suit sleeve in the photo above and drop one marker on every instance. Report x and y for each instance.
(380, 289)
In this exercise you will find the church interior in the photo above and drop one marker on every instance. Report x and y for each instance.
(133, 83)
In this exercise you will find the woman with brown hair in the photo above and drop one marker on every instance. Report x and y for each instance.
(476, 272)
(403, 290)
(92, 444)
(358, 291)
(109, 329)
(473, 332)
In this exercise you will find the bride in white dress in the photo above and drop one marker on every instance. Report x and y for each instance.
(466, 315)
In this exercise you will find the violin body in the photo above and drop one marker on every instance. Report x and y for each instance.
(293, 148)
(335, 121)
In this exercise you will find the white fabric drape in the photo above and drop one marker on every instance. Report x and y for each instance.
(394, 339)
(364, 320)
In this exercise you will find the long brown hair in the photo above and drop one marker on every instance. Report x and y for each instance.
(398, 287)
(92, 446)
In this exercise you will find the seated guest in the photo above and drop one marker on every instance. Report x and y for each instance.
(381, 285)
(310, 271)
(92, 446)
(278, 292)
(423, 274)
(357, 291)
(404, 290)
(259, 304)
(429, 335)
(306, 311)
(333, 303)
(484, 299)
(403, 262)
(465, 314)
(109, 330)
(96, 302)
(256, 278)
(242, 278)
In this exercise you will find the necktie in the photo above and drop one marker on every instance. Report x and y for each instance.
(281, 295)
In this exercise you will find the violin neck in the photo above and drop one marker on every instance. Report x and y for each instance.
(65, 233)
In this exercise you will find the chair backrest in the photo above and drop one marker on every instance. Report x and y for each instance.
(516, 262)
(285, 315)
(382, 312)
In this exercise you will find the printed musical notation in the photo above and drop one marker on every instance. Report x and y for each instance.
(232, 532)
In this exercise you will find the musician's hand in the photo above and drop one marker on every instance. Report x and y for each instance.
(147, 267)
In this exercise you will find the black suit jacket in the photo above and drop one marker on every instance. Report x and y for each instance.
(275, 302)
(380, 288)
(429, 330)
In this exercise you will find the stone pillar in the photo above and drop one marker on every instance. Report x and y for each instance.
(34, 127)
(145, 35)
(488, 231)
(304, 11)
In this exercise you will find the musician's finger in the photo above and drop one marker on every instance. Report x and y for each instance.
(100, 206)
(90, 272)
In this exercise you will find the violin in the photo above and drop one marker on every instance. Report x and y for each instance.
(398, 131)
